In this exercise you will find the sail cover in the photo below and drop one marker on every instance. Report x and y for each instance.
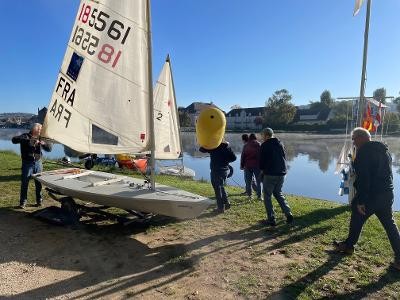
(166, 127)
(100, 103)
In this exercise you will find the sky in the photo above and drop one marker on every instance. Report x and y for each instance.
(230, 52)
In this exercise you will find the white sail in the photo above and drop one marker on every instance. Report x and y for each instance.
(100, 103)
(166, 126)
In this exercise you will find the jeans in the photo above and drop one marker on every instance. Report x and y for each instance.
(28, 169)
(249, 174)
(383, 210)
(273, 186)
(218, 178)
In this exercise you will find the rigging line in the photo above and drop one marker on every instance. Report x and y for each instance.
(347, 123)
(234, 181)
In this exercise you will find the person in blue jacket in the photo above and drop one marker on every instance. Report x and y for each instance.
(220, 158)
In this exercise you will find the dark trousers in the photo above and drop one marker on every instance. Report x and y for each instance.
(251, 174)
(273, 186)
(218, 178)
(27, 170)
(383, 210)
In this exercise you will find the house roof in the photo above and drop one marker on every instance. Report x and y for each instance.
(198, 106)
(320, 114)
(254, 111)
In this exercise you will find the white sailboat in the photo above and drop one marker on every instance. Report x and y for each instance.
(103, 103)
(168, 145)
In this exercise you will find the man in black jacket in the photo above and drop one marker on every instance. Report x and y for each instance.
(220, 158)
(374, 192)
(273, 171)
(31, 153)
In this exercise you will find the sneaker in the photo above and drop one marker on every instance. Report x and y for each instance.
(21, 206)
(260, 199)
(396, 265)
(218, 211)
(341, 247)
(39, 204)
(289, 219)
(227, 206)
(268, 222)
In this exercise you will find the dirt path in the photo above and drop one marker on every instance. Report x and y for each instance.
(204, 260)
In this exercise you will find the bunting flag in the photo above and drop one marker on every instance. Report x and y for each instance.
(368, 122)
(357, 6)
(378, 120)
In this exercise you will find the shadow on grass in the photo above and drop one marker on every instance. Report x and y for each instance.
(304, 227)
(8, 178)
(389, 277)
(293, 290)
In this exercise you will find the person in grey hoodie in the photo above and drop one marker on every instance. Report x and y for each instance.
(374, 192)
(273, 171)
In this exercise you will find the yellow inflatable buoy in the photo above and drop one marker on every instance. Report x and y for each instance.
(210, 128)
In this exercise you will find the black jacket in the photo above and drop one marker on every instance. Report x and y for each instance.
(273, 158)
(220, 157)
(30, 150)
(373, 168)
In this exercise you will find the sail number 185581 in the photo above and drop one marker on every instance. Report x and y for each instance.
(89, 43)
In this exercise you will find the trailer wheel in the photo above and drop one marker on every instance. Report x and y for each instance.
(70, 209)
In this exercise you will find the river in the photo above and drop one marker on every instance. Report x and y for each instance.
(311, 161)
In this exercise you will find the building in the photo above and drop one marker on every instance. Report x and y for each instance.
(245, 118)
(312, 116)
(194, 109)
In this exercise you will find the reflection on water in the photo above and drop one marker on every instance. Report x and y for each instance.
(311, 161)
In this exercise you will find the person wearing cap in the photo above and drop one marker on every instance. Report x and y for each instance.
(374, 193)
(273, 171)
(31, 154)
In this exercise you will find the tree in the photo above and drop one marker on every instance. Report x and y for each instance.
(380, 95)
(391, 123)
(327, 99)
(397, 102)
(342, 112)
(278, 109)
(236, 106)
(184, 119)
(258, 121)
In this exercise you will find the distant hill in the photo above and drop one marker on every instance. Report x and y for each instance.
(16, 115)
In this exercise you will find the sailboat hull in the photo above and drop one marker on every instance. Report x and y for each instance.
(124, 192)
(177, 171)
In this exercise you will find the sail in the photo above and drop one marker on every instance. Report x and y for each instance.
(101, 99)
(166, 127)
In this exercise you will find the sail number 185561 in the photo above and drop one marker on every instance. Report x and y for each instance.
(99, 20)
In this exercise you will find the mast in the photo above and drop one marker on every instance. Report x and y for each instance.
(361, 103)
(151, 104)
(176, 105)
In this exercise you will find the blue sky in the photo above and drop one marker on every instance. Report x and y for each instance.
(226, 51)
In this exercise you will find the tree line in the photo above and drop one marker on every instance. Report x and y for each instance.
(280, 112)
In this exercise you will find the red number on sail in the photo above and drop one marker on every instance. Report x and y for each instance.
(86, 14)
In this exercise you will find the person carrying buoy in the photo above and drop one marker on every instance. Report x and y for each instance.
(210, 130)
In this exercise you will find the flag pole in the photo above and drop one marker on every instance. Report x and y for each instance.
(151, 104)
(361, 103)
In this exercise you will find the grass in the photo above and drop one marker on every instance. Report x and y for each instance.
(309, 269)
